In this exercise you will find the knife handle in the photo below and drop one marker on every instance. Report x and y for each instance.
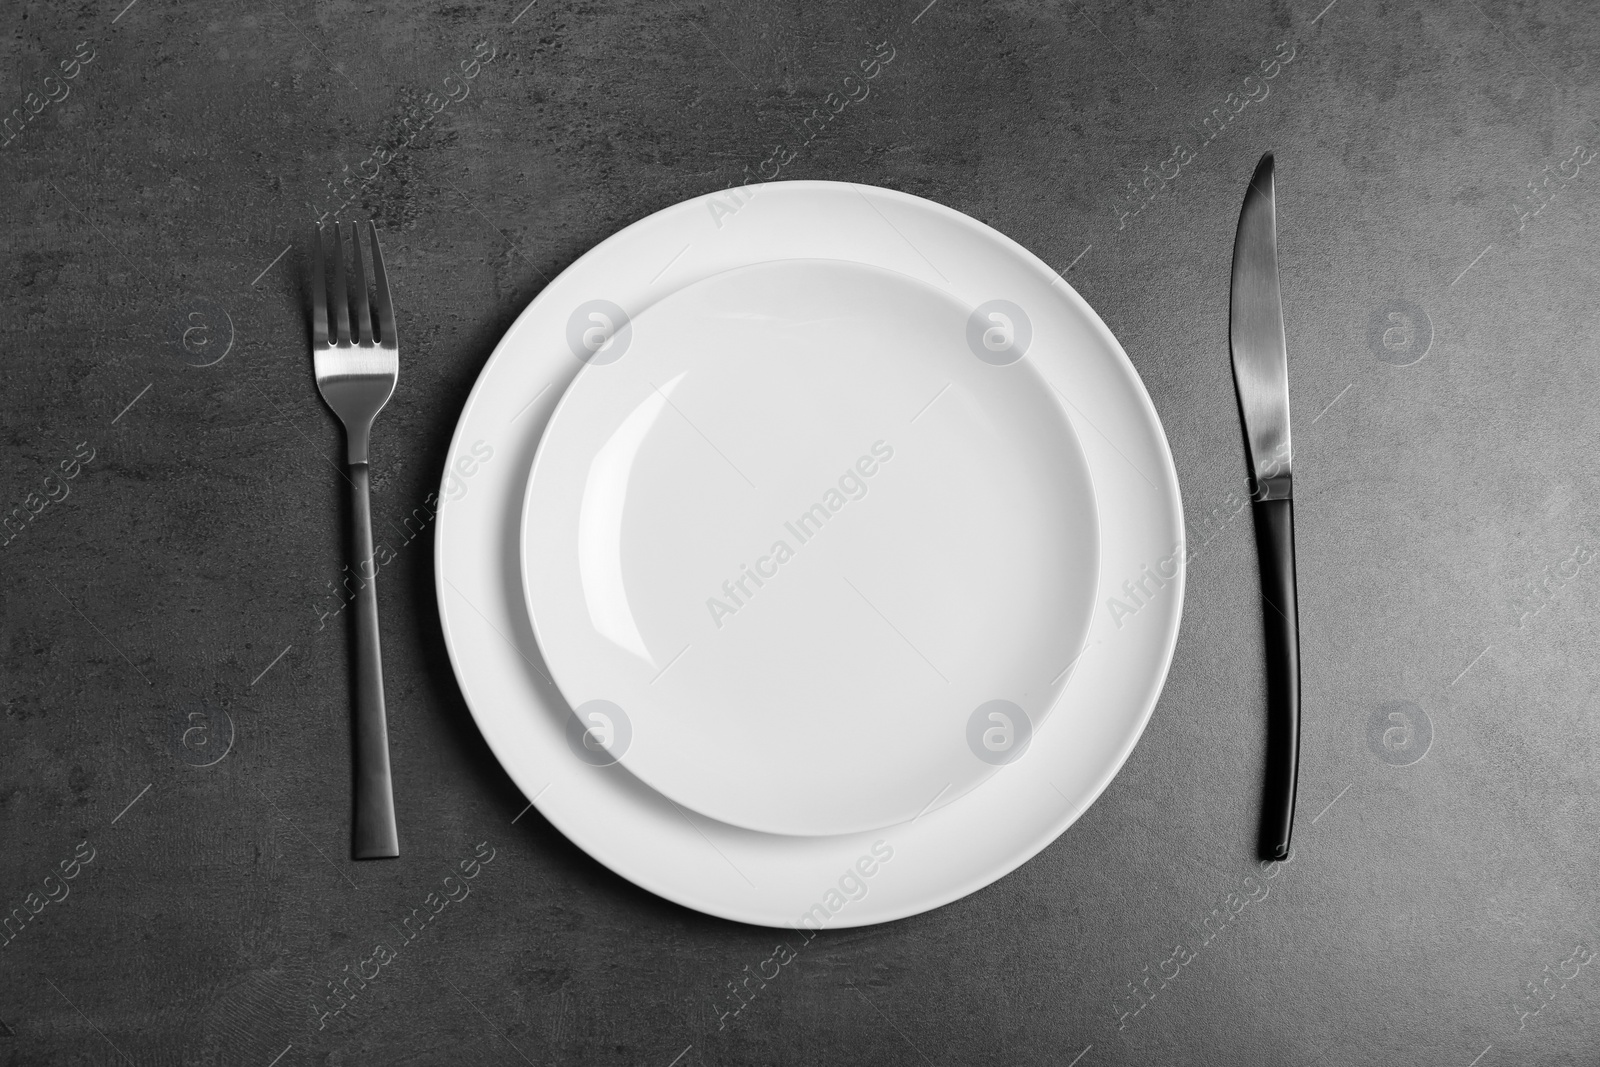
(1280, 614)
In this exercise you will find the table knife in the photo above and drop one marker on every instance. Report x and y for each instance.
(1261, 376)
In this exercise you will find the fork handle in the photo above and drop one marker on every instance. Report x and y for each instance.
(376, 836)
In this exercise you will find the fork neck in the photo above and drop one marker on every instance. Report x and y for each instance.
(356, 440)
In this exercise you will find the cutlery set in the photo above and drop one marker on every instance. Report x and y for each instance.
(856, 695)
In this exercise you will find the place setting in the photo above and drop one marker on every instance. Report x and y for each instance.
(815, 564)
(938, 533)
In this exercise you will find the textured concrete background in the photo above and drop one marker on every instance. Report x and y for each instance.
(175, 731)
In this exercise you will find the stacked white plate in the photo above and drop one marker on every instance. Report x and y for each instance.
(811, 555)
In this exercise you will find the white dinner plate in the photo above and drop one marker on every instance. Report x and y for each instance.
(795, 529)
(1054, 360)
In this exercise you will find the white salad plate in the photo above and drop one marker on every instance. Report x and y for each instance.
(797, 534)
(848, 530)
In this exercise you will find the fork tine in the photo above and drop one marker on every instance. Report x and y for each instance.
(358, 290)
(319, 292)
(341, 292)
(380, 280)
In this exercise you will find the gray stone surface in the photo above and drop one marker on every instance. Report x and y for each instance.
(171, 587)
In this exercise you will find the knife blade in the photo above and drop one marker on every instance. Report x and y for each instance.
(1261, 377)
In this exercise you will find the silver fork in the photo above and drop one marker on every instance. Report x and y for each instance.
(356, 377)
